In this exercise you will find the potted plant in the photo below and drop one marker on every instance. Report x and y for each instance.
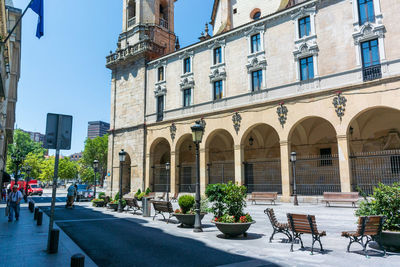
(114, 204)
(138, 192)
(385, 201)
(229, 200)
(97, 202)
(186, 214)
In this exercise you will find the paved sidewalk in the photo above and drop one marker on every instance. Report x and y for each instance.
(23, 243)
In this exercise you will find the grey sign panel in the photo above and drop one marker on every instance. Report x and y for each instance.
(58, 131)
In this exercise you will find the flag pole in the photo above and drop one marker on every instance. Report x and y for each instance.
(16, 24)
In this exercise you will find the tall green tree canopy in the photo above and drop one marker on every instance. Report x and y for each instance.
(67, 170)
(95, 149)
(20, 148)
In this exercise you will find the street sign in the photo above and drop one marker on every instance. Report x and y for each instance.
(58, 131)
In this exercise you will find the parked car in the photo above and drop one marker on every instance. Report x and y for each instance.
(34, 188)
(83, 192)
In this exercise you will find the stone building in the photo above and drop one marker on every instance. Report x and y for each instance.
(317, 77)
(10, 59)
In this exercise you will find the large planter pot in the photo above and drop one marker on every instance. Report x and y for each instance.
(390, 240)
(233, 229)
(113, 206)
(98, 204)
(187, 220)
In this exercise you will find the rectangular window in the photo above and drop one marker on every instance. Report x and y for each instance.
(217, 55)
(161, 74)
(256, 80)
(306, 68)
(255, 43)
(186, 65)
(187, 97)
(217, 90)
(160, 108)
(304, 27)
(366, 11)
(326, 156)
(370, 53)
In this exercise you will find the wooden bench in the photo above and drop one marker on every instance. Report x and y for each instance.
(340, 197)
(263, 196)
(162, 197)
(132, 203)
(162, 206)
(277, 226)
(370, 228)
(304, 224)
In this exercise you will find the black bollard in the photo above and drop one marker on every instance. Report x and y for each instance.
(77, 260)
(54, 237)
(31, 206)
(39, 217)
(35, 214)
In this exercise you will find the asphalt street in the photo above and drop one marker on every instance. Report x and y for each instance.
(113, 241)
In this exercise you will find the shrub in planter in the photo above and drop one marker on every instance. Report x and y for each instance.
(140, 196)
(138, 193)
(102, 195)
(186, 203)
(148, 191)
(385, 201)
(97, 202)
(116, 196)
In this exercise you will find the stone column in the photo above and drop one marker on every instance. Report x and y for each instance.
(203, 170)
(285, 171)
(148, 173)
(173, 174)
(344, 163)
(239, 174)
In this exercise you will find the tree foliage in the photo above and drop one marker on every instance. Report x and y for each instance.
(20, 148)
(33, 161)
(95, 149)
(67, 170)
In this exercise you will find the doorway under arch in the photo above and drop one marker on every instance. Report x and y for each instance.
(160, 154)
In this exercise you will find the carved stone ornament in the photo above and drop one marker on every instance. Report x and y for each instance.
(236, 119)
(172, 130)
(368, 31)
(282, 112)
(256, 63)
(160, 90)
(339, 102)
(305, 48)
(217, 74)
(187, 82)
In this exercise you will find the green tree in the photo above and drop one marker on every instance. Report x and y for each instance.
(20, 148)
(95, 149)
(86, 173)
(47, 170)
(67, 169)
(35, 162)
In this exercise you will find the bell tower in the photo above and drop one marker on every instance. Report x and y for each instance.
(151, 20)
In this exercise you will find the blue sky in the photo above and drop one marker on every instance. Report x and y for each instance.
(64, 72)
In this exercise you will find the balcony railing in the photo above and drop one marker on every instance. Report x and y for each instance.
(131, 22)
(163, 23)
(372, 73)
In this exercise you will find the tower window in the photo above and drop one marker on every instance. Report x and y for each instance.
(186, 65)
(217, 55)
(306, 68)
(161, 74)
(255, 43)
(131, 9)
(304, 27)
(255, 14)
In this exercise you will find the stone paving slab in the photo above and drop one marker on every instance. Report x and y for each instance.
(23, 243)
(333, 220)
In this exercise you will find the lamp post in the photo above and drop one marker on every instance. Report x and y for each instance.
(167, 168)
(293, 158)
(122, 156)
(197, 134)
(95, 168)
(28, 172)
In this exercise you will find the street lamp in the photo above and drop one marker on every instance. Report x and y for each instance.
(197, 134)
(167, 167)
(122, 156)
(95, 167)
(293, 158)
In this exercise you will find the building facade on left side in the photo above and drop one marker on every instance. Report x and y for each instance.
(10, 59)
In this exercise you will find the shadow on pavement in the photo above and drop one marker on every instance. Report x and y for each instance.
(127, 242)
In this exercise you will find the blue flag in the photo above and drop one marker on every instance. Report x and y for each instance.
(37, 7)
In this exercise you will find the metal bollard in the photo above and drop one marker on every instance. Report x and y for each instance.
(31, 206)
(77, 260)
(146, 205)
(39, 217)
(35, 214)
(54, 237)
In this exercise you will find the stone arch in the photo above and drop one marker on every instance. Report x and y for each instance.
(374, 145)
(160, 154)
(185, 153)
(220, 157)
(314, 139)
(126, 175)
(261, 159)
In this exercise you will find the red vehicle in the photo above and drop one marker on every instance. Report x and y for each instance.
(33, 187)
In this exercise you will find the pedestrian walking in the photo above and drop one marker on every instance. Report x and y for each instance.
(14, 198)
(71, 196)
